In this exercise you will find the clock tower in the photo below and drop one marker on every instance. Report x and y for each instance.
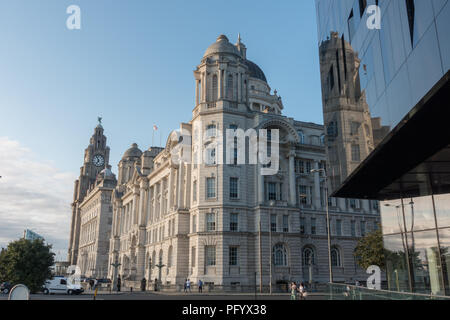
(96, 158)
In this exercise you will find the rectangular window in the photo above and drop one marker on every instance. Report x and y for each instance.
(210, 222)
(339, 227)
(354, 128)
(194, 223)
(363, 228)
(313, 225)
(233, 256)
(211, 160)
(234, 223)
(211, 130)
(411, 11)
(356, 156)
(302, 225)
(331, 78)
(302, 190)
(272, 191)
(308, 167)
(273, 222)
(285, 223)
(351, 26)
(362, 7)
(210, 255)
(210, 188)
(352, 203)
(234, 188)
(194, 191)
(353, 228)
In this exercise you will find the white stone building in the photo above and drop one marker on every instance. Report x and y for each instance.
(224, 223)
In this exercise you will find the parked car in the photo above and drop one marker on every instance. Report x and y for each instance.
(5, 287)
(60, 285)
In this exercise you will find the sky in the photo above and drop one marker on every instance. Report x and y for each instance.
(132, 64)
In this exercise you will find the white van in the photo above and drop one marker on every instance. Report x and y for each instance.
(59, 284)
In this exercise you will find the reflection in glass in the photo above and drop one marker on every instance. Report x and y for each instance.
(444, 239)
(442, 203)
(396, 268)
(426, 267)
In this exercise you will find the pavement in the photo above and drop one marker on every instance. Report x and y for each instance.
(151, 295)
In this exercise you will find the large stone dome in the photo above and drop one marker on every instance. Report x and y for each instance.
(255, 71)
(133, 151)
(222, 45)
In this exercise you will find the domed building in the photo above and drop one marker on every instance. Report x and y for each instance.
(203, 208)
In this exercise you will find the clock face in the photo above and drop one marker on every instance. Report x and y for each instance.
(98, 160)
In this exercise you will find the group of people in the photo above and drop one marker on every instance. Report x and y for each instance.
(187, 285)
(298, 292)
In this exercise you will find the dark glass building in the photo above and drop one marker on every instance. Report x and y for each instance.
(386, 103)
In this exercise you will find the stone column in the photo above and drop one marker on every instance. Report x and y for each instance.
(180, 185)
(171, 182)
(203, 87)
(225, 84)
(196, 92)
(260, 184)
(220, 84)
(239, 88)
(316, 186)
(292, 197)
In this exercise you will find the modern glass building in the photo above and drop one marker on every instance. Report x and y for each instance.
(386, 101)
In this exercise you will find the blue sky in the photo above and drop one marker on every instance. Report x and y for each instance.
(132, 64)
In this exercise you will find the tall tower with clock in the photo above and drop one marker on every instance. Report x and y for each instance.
(96, 158)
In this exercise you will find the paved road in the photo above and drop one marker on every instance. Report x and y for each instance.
(167, 296)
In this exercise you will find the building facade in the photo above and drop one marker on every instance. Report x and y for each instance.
(399, 75)
(95, 226)
(201, 209)
(96, 158)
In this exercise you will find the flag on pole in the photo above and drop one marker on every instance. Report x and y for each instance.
(155, 127)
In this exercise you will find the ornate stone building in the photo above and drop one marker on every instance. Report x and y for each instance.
(95, 226)
(96, 158)
(222, 222)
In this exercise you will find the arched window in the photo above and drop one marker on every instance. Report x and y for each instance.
(153, 259)
(280, 255)
(230, 87)
(302, 136)
(169, 257)
(308, 256)
(160, 257)
(215, 90)
(211, 130)
(335, 257)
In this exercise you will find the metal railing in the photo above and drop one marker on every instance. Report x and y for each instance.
(339, 291)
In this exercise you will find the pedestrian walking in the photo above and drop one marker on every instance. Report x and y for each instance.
(95, 283)
(293, 291)
(91, 284)
(188, 285)
(200, 285)
(119, 283)
(156, 284)
(185, 285)
(302, 291)
(143, 284)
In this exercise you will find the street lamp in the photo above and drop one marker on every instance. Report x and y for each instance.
(116, 264)
(328, 219)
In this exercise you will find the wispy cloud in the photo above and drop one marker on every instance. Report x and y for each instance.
(34, 195)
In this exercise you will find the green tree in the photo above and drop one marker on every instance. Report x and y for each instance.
(369, 250)
(27, 262)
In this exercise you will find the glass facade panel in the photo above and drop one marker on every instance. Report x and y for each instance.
(396, 267)
(444, 239)
(442, 204)
(426, 267)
